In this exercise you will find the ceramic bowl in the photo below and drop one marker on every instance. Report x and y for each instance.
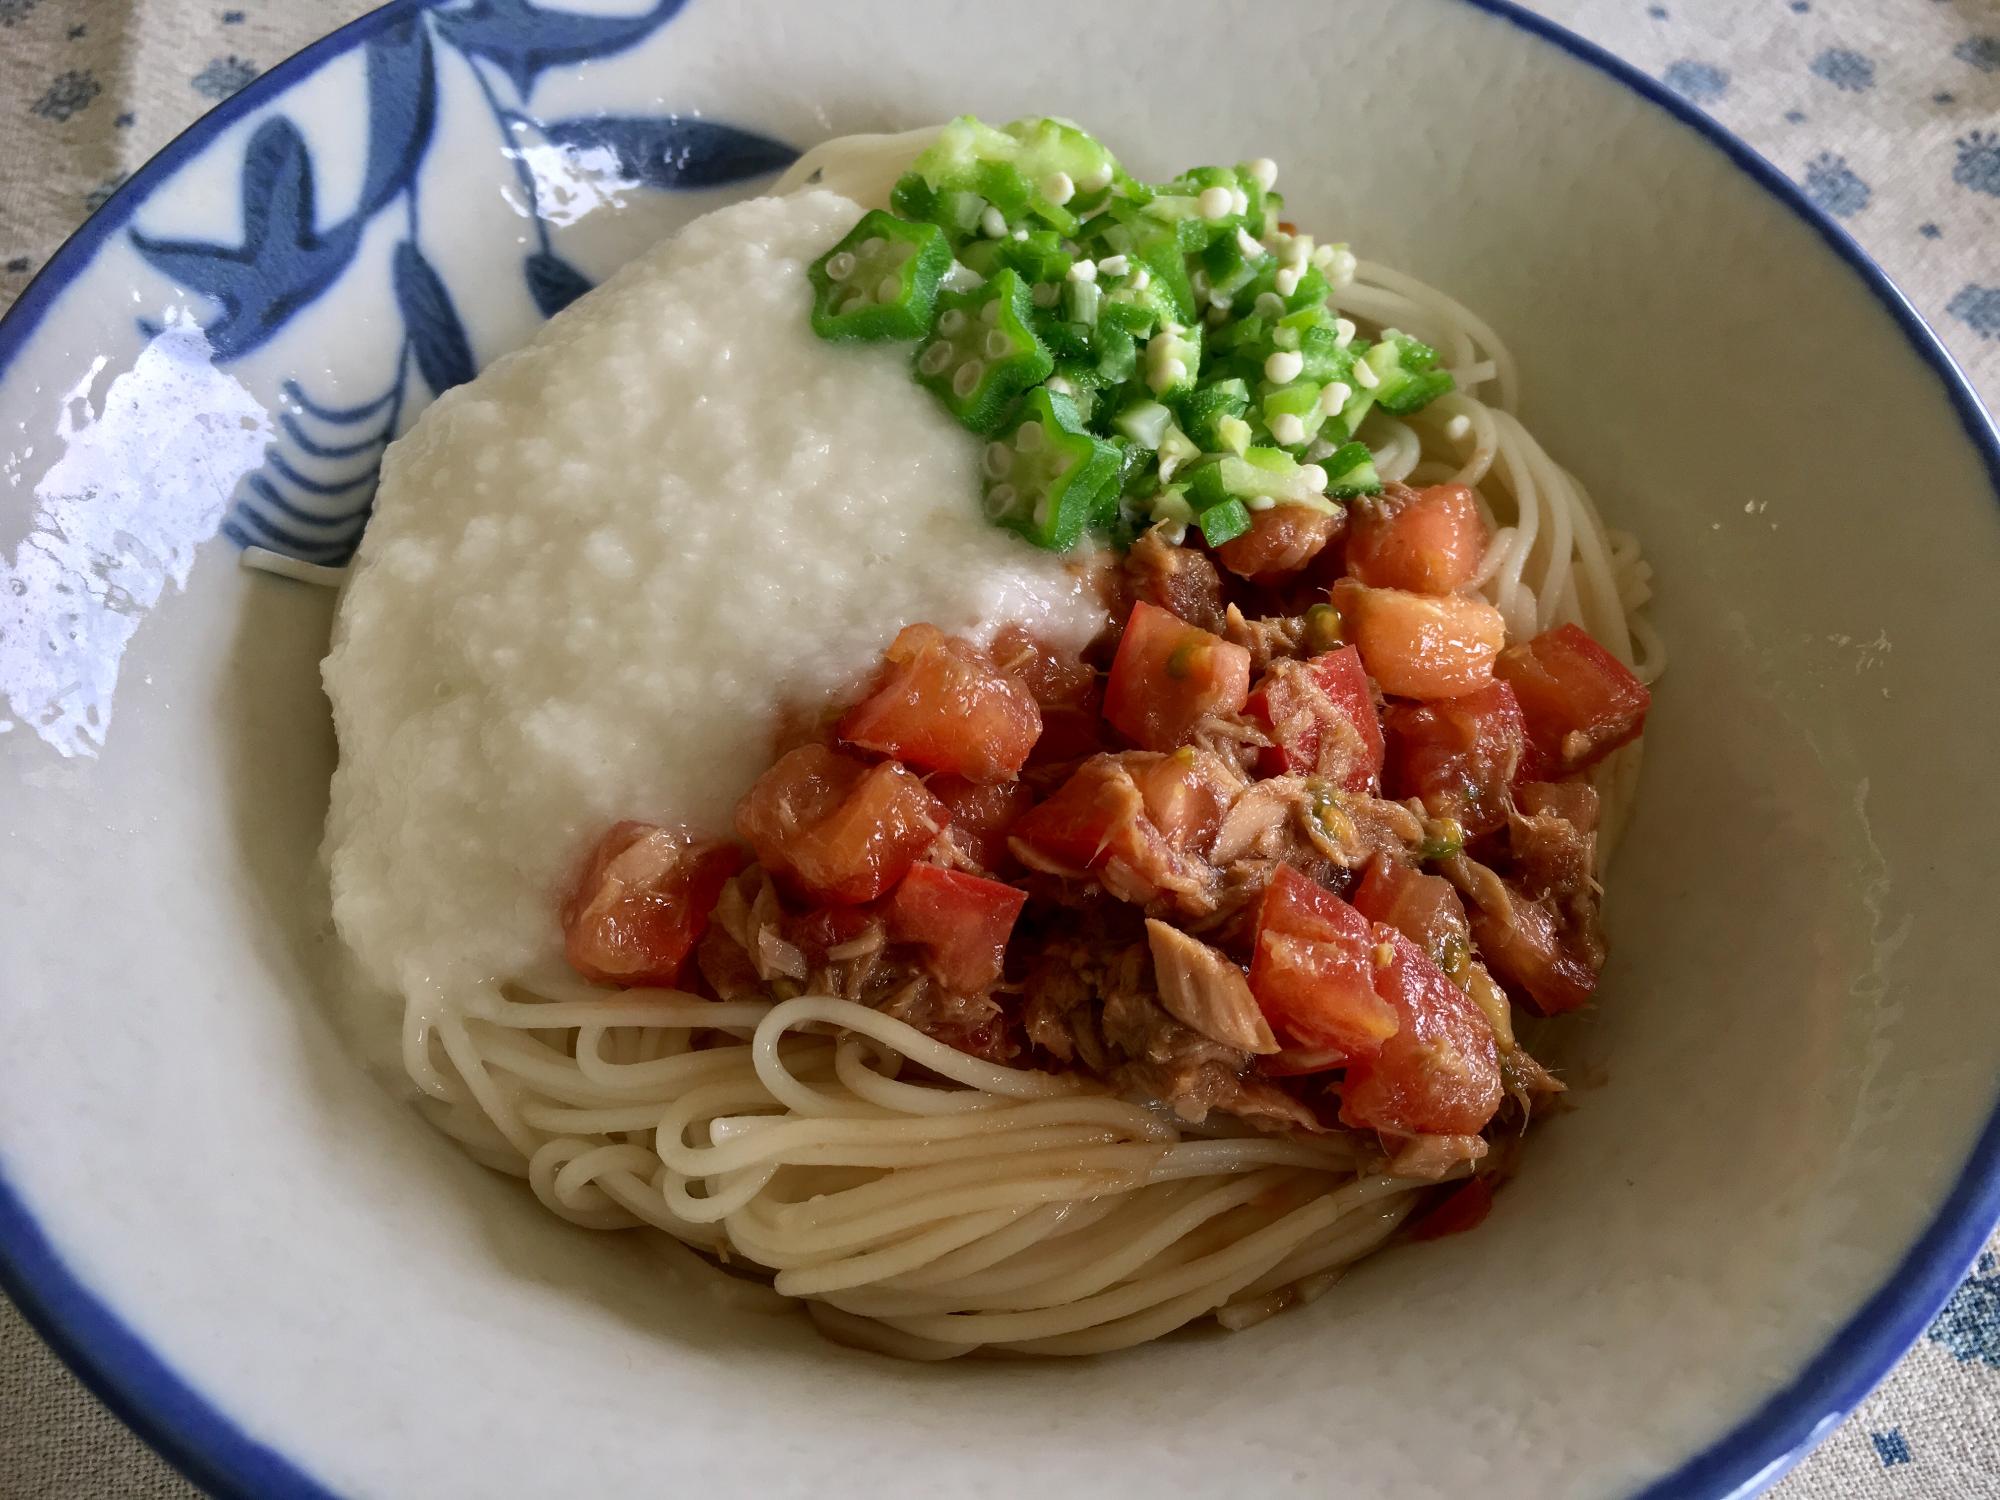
(1786, 1150)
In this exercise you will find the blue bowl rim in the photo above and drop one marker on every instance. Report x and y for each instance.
(210, 1449)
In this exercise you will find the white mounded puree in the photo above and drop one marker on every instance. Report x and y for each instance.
(597, 574)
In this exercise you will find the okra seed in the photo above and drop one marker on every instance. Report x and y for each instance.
(967, 377)
(839, 267)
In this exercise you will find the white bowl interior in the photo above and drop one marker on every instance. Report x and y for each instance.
(1794, 1053)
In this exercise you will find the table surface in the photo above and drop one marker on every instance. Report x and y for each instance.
(1886, 111)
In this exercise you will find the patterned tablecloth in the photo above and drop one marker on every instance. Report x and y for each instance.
(1887, 111)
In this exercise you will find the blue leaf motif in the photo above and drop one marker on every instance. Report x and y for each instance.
(674, 151)
(553, 282)
(402, 110)
(525, 40)
(437, 337)
(284, 261)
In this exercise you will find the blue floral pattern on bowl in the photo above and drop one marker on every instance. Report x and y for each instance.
(312, 497)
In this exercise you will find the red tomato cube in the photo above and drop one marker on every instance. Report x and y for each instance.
(1313, 970)
(1067, 689)
(1143, 822)
(835, 829)
(1280, 541)
(1421, 645)
(1527, 947)
(983, 816)
(940, 704)
(1438, 1073)
(1429, 542)
(1580, 702)
(1457, 755)
(961, 921)
(1169, 675)
(643, 902)
(1424, 908)
(1321, 719)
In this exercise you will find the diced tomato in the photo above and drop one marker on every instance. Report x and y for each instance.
(835, 829)
(1280, 541)
(1429, 542)
(1457, 754)
(819, 932)
(1420, 645)
(1186, 795)
(1313, 970)
(1053, 674)
(1169, 675)
(1321, 720)
(1096, 815)
(1424, 908)
(1527, 947)
(1575, 802)
(1145, 822)
(1464, 1207)
(982, 816)
(961, 921)
(1067, 689)
(1439, 1072)
(941, 705)
(643, 902)
(1580, 702)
